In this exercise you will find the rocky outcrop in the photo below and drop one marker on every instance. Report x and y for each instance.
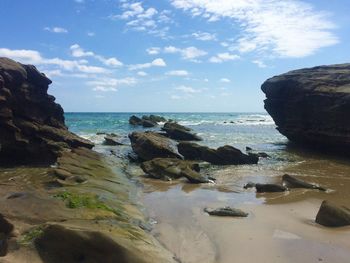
(179, 132)
(112, 140)
(146, 121)
(226, 211)
(269, 188)
(224, 155)
(32, 128)
(293, 182)
(332, 215)
(150, 145)
(170, 168)
(312, 106)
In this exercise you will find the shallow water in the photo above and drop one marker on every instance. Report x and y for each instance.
(280, 226)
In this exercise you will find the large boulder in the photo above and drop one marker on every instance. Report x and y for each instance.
(332, 215)
(312, 106)
(32, 128)
(150, 145)
(171, 168)
(179, 132)
(147, 121)
(225, 155)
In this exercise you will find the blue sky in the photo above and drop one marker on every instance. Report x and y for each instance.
(171, 55)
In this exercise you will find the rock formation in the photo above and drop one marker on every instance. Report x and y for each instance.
(312, 106)
(332, 215)
(224, 155)
(31, 123)
(179, 132)
(150, 145)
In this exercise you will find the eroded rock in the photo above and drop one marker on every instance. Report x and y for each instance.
(292, 182)
(332, 215)
(32, 128)
(226, 211)
(270, 188)
(179, 132)
(224, 155)
(150, 145)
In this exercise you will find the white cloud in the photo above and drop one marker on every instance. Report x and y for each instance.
(34, 57)
(158, 62)
(179, 73)
(175, 97)
(259, 63)
(283, 28)
(153, 50)
(188, 90)
(189, 53)
(142, 73)
(144, 19)
(91, 34)
(204, 36)
(111, 84)
(56, 29)
(222, 57)
(78, 52)
(225, 80)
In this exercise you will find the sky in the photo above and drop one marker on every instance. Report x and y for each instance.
(171, 55)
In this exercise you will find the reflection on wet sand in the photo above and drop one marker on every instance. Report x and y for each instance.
(280, 226)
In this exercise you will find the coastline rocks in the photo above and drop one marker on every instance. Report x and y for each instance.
(170, 168)
(292, 182)
(270, 188)
(312, 106)
(225, 155)
(32, 128)
(179, 132)
(150, 145)
(333, 216)
(146, 121)
(226, 211)
(111, 140)
(6, 229)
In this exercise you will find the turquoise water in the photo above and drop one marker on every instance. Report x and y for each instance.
(256, 130)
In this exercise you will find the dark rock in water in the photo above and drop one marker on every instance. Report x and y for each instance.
(150, 145)
(179, 132)
(312, 106)
(154, 118)
(101, 133)
(111, 140)
(226, 211)
(263, 155)
(292, 182)
(248, 149)
(32, 128)
(224, 155)
(332, 215)
(249, 185)
(270, 188)
(134, 120)
(61, 244)
(171, 168)
(148, 124)
(5, 230)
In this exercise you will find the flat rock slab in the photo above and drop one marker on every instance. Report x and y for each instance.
(226, 211)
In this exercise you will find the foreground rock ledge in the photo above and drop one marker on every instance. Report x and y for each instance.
(312, 105)
(32, 128)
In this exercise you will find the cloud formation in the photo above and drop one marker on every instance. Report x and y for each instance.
(222, 57)
(281, 28)
(58, 30)
(158, 62)
(178, 73)
(189, 53)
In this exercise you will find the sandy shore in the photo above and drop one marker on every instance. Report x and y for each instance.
(280, 226)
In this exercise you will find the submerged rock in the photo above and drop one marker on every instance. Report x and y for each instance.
(6, 229)
(312, 106)
(32, 128)
(224, 155)
(134, 120)
(270, 188)
(292, 182)
(226, 211)
(171, 168)
(332, 215)
(150, 145)
(179, 132)
(154, 118)
(146, 121)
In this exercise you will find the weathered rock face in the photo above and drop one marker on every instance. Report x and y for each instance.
(224, 155)
(150, 145)
(171, 168)
(312, 106)
(32, 128)
(332, 215)
(179, 132)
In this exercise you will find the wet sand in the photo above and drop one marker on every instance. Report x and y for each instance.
(280, 226)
